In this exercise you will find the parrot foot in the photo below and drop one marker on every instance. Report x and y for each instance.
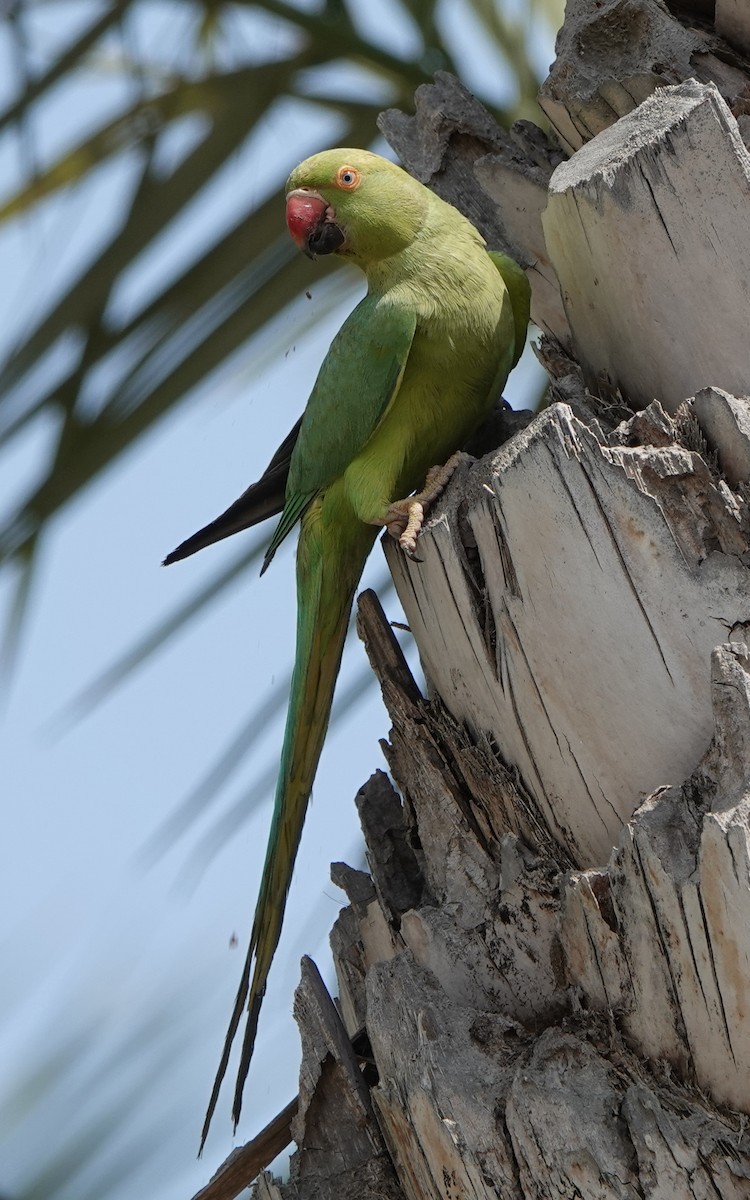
(405, 518)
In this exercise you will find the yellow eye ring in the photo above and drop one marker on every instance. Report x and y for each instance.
(347, 178)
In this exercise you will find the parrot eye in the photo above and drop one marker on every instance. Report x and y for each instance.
(347, 177)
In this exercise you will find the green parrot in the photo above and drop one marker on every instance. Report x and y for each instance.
(412, 372)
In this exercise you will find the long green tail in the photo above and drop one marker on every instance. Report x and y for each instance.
(329, 567)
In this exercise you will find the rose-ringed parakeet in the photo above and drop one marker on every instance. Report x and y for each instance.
(413, 371)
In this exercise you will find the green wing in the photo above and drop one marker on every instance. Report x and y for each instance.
(359, 378)
(519, 291)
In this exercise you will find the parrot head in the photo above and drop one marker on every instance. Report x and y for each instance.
(353, 203)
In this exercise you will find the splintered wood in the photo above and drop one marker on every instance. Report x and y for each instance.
(492, 1006)
(582, 628)
(613, 54)
(643, 229)
(670, 950)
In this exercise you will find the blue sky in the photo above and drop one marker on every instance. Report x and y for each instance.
(99, 939)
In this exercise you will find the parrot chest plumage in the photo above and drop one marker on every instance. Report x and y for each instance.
(461, 346)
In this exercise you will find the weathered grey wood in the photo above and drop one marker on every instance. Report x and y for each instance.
(362, 933)
(435, 758)
(733, 23)
(398, 879)
(591, 544)
(474, 1102)
(588, 1121)
(444, 1070)
(676, 931)
(725, 421)
(340, 1155)
(267, 1188)
(610, 56)
(351, 969)
(645, 232)
(580, 1114)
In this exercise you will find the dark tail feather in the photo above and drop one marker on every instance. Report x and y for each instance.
(237, 1011)
(248, 1045)
(261, 500)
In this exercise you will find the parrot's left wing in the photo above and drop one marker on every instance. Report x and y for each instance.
(356, 384)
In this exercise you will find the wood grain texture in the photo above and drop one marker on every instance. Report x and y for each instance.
(341, 1154)
(245, 1162)
(613, 55)
(590, 543)
(642, 229)
(472, 1101)
(588, 1087)
(676, 963)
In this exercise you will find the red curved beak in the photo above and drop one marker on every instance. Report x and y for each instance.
(312, 224)
(305, 213)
